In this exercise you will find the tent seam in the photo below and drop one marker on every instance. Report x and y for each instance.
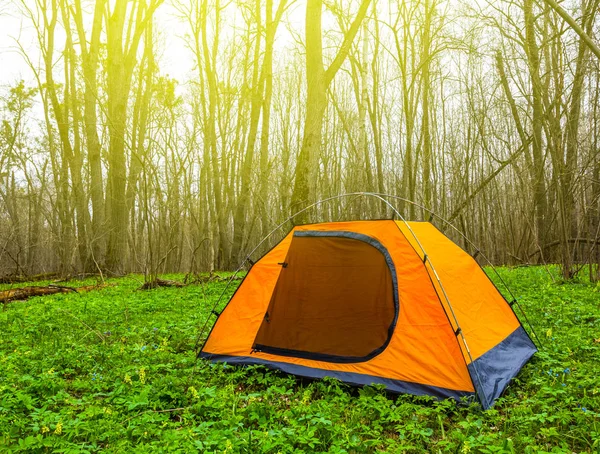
(443, 308)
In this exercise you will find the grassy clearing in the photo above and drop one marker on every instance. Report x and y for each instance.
(112, 369)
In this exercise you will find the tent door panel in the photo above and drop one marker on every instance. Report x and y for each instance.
(335, 300)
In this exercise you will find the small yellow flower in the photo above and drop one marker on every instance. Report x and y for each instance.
(45, 429)
(58, 429)
(466, 448)
(142, 374)
(107, 410)
(51, 371)
(194, 392)
(549, 333)
(127, 379)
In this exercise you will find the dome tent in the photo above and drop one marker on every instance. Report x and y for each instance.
(374, 302)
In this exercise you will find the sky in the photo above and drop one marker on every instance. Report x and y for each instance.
(15, 26)
(12, 66)
(175, 59)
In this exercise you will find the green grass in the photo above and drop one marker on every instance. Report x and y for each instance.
(113, 369)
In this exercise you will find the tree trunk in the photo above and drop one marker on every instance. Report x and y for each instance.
(539, 183)
(257, 89)
(426, 93)
(89, 62)
(317, 81)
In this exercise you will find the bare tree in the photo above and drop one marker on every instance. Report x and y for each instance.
(318, 80)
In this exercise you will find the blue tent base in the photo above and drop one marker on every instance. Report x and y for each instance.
(493, 371)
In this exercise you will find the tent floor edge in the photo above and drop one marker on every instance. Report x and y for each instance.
(351, 378)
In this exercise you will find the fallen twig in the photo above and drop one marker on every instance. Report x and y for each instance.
(188, 280)
(23, 293)
(161, 283)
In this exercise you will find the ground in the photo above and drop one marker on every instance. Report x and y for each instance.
(114, 370)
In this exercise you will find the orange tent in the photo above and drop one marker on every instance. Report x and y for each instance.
(374, 302)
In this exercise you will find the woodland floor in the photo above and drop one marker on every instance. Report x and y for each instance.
(112, 369)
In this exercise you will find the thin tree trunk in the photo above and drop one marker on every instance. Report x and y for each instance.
(539, 184)
(89, 62)
(318, 80)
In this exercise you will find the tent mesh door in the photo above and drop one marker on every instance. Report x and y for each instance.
(335, 299)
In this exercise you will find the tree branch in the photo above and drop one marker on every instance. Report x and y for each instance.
(575, 26)
(348, 39)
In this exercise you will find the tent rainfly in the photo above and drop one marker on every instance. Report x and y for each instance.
(374, 302)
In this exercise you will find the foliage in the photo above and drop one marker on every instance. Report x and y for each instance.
(114, 369)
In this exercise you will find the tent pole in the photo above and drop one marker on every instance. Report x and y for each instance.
(487, 260)
(458, 331)
(379, 196)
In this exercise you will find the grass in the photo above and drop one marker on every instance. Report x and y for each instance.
(114, 370)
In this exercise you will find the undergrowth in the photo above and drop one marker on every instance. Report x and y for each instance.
(114, 370)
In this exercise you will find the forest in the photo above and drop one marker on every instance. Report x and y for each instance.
(160, 161)
(486, 113)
